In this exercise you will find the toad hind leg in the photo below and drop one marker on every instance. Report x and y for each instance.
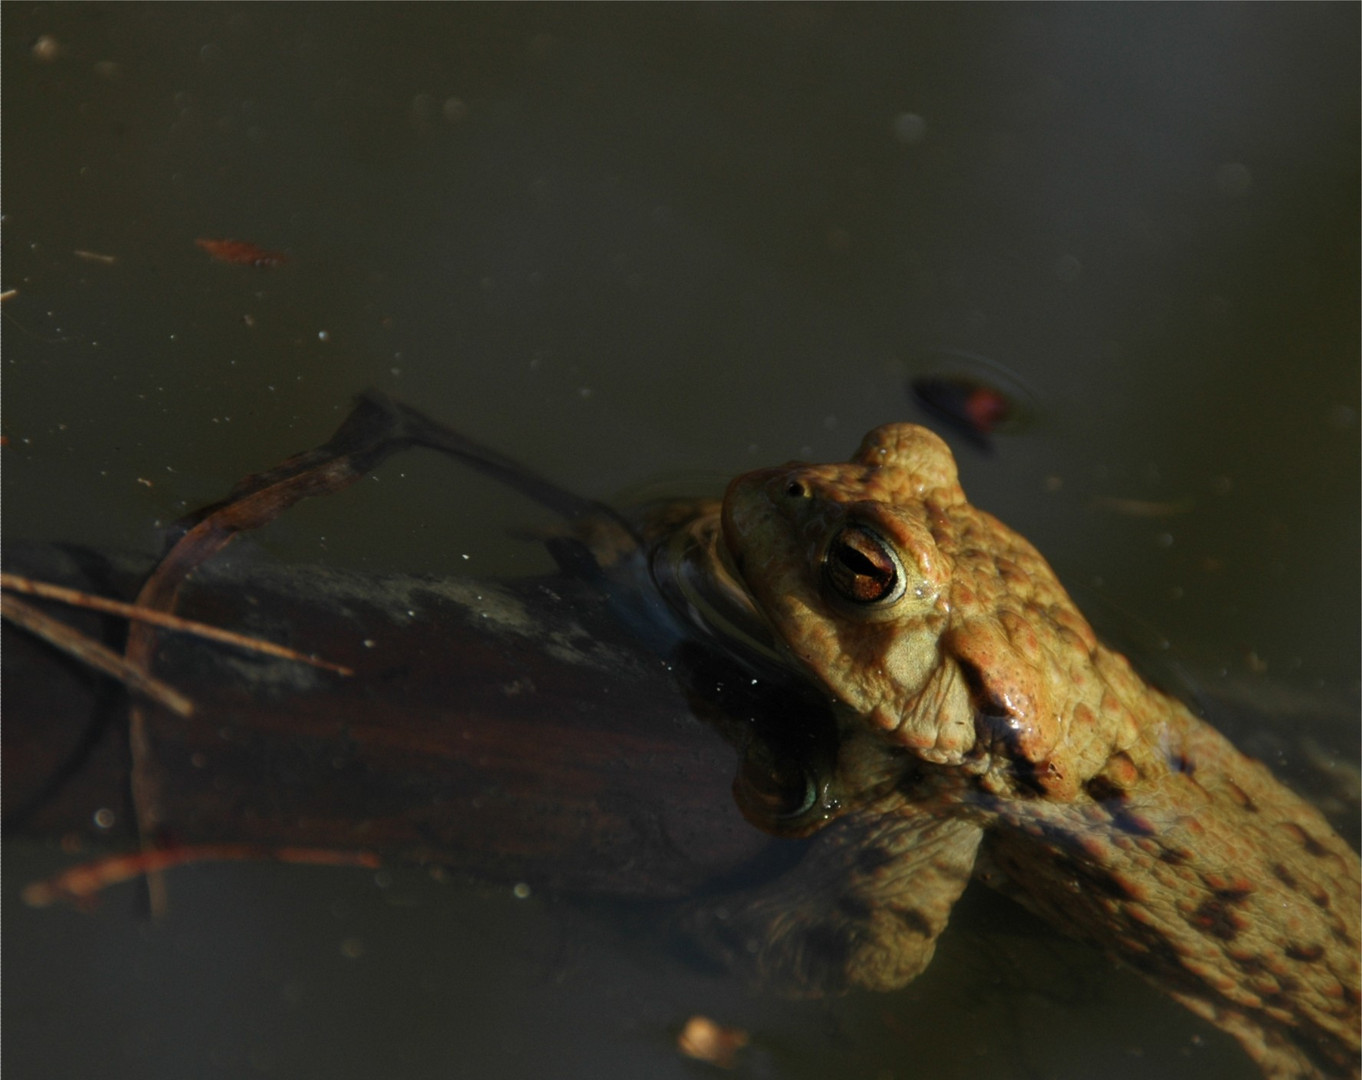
(863, 909)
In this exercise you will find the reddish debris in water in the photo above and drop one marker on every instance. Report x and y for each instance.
(978, 397)
(241, 253)
(976, 408)
(986, 409)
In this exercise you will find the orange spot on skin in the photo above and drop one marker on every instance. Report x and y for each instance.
(1122, 771)
(1232, 889)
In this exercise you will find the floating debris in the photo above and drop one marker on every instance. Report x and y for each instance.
(979, 408)
(242, 253)
(978, 397)
(1144, 508)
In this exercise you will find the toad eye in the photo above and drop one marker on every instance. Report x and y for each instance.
(861, 568)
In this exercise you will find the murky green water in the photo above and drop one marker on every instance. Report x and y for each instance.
(633, 243)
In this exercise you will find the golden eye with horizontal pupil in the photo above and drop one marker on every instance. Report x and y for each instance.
(861, 568)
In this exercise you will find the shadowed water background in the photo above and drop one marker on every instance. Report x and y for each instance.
(665, 244)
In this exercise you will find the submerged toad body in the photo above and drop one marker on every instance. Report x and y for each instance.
(985, 731)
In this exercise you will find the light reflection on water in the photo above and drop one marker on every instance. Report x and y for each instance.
(622, 244)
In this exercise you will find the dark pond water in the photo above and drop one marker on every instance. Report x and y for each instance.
(669, 243)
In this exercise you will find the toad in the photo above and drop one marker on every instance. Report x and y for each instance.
(983, 730)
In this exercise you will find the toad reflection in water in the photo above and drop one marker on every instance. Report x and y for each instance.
(983, 730)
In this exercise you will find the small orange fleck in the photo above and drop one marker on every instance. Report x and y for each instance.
(707, 1041)
(46, 48)
(242, 253)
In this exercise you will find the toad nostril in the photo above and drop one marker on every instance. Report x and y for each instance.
(984, 701)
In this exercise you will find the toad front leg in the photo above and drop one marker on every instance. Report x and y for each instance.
(1222, 887)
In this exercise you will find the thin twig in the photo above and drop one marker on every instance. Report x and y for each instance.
(164, 619)
(1146, 508)
(79, 884)
(88, 651)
